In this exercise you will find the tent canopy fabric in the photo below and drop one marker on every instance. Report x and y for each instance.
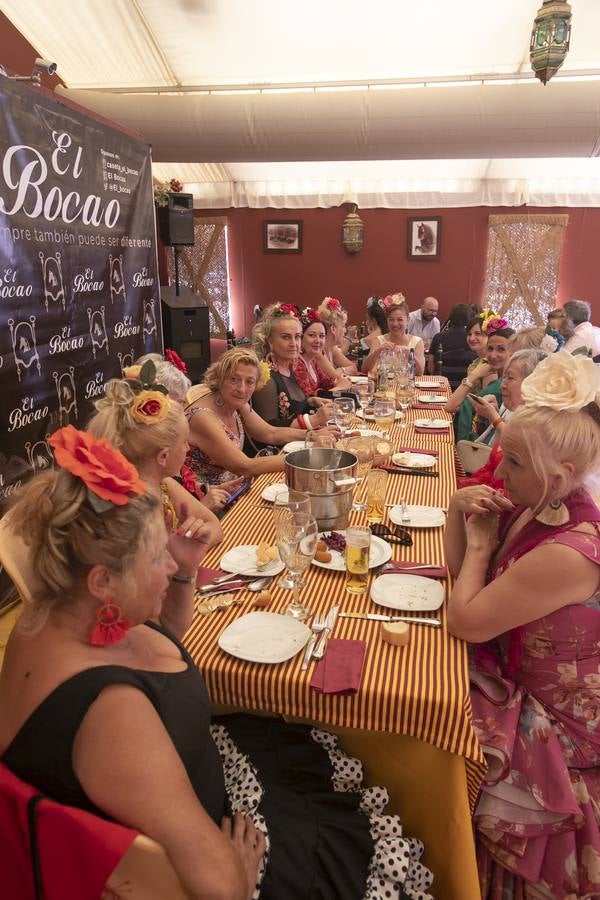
(317, 104)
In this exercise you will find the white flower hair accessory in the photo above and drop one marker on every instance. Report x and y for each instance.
(562, 382)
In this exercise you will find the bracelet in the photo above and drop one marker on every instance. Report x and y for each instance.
(301, 422)
(184, 579)
(497, 421)
(467, 383)
(307, 423)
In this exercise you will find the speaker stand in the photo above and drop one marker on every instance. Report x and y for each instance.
(176, 252)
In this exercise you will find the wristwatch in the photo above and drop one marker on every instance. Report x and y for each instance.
(468, 383)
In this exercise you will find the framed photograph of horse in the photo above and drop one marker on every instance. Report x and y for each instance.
(424, 238)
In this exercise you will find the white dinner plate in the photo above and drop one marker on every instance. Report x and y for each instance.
(358, 379)
(432, 423)
(371, 417)
(421, 383)
(420, 517)
(242, 561)
(414, 460)
(379, 553)
(431, 398)
(292, 446)
(409, 592)
(264, 637)
(271, 491)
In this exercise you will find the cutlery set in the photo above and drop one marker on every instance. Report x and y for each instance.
(317, 643)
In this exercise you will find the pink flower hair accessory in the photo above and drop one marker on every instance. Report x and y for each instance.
(492, 324)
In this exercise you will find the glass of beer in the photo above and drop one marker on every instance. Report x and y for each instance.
(376, 484)
(358, 543)
(384, 413)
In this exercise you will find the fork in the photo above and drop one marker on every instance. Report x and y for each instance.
(317, 627)
(321, 646)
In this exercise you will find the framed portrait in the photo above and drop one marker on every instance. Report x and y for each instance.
(424, 238)
(282, 236)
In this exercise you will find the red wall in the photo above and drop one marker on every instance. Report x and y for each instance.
(381, 267)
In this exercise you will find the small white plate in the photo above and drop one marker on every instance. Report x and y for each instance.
(242, 561)
(421, 383)
(431, 398)
(414, 460)
(420, 517)
(371, 418)
(432, 423)
(379, 553)
(409, 592)
(358, 379)
(292, 446)
(264, 637)
(271, 491)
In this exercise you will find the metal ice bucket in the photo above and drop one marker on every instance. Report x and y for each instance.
(328, 477)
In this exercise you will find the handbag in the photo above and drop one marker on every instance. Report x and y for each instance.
(473, 455)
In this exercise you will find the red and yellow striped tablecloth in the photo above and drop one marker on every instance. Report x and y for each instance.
(420, 690)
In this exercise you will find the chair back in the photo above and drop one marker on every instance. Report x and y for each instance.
(16, 559)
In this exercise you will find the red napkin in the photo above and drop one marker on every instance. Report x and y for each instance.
(431, 431)
(340, 670)
(417, 450)
(405, 568)
(207, 576)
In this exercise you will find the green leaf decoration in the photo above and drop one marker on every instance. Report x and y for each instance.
(148, 373)
(136, 386)
(97, 503)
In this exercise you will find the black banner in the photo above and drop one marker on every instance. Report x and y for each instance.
(79, 291)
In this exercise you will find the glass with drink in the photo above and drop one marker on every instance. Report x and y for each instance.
(343, 413)
(376, 485)
(358, 544)
(384, 413)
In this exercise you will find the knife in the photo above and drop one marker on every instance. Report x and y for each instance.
(401, 470)
(222, 588)
(375, 617)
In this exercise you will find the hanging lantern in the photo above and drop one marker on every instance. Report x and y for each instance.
(550, 38)
(352, 231)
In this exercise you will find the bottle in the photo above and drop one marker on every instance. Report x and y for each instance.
(230, 334)
(411, 363)
(439, 359)
(360, 356)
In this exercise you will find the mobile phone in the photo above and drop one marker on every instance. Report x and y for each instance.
(244, 486)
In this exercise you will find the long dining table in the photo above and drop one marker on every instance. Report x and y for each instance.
(410, 721)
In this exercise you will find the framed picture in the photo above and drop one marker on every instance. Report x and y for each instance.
(424, 238)
(283, 236)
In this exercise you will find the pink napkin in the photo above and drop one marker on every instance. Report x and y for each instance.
(207, 576)
(429, 405)
(340, 670)
(417, 450)
(431, 431)
(405, 568)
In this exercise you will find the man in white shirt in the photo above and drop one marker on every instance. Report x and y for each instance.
(424, 322)
(586, 337)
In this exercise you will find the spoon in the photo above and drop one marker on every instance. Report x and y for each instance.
(259, 583)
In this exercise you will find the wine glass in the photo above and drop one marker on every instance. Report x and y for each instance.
(297, 536)
(404, 397)
(384, 413)
(362, 447)
(319, 438)
(343, 413)
(364, 394)
(287, 502)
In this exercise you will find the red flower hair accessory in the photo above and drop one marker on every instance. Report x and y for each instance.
(175, 360)
(333, 304)
(308, 317)
(109, 477)
(392, 300)
(492, 324)
(288, 309)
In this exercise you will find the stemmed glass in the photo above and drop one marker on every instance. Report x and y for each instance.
(343, 413)
(364, 394)
(362, 447)
(384, 413)
(297, 536)
(318, 438)
(287, 502)
(403, 397)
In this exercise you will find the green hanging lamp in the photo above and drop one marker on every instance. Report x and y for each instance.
(550, 38)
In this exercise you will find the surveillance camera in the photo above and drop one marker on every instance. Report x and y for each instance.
(45, 66)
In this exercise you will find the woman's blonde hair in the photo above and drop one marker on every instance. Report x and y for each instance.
(526, 339)
(52, 515)
(225, 366)
(553, 437)
(331, 316)
(136, 441)
(261, 332)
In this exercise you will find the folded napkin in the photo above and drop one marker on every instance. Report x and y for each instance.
(340, 670)
(425, 450)
(405, 568)
(431, 431)
(207, 576)
(429, 405)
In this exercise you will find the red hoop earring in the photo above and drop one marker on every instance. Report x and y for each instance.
(111, 626)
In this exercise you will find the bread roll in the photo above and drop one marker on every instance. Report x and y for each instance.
(263, 599)
(396, 633)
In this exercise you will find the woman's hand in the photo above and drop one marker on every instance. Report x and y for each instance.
(217, 496)
(480, 499)
(323, 414)
(249, 843)
(484, 406)
(188, 545)
(343, 383)
(481, 370)
(482, 533)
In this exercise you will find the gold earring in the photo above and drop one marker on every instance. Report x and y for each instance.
(555, 513)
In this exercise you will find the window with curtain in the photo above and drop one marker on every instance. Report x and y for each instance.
(203, 269)
(523, 261)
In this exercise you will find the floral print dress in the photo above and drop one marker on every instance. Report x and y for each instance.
(204, 467)
(536, 706)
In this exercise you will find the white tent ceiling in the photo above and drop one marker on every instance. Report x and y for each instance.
(169, 70)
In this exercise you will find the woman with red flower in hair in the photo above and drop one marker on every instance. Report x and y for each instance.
(335, 317)
(138, 418)
(312, 369)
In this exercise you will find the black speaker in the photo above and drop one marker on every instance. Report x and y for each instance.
(186, 329)
(176, 221)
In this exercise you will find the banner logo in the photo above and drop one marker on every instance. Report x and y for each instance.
(25, 351)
